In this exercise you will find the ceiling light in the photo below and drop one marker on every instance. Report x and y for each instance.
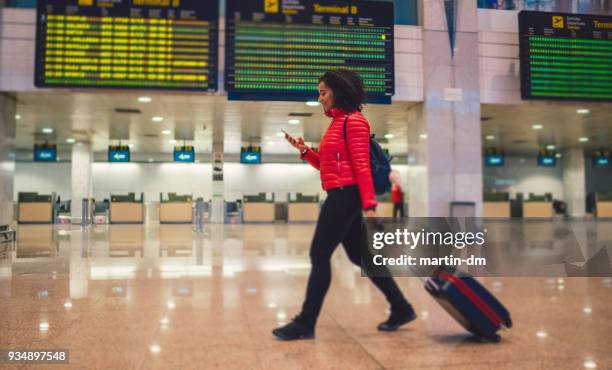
(587, 310)
(294, 121)
(70, 140)
(490, 137)
(551, 147)
(130, 146)
(537, 127)
(423, 136)
(583, 111)
(558, 155)
(166, 132)
(541, 334)
(280, 134)
(589, 364)
(583, 139)
(157, 119)
(172, 141)
(47, 130)
(312, 103)
(144, 99)
(389, 136)
(17, 116)
(151, 160)
(67, 305)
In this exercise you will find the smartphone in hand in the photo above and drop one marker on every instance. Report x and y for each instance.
(288, 137)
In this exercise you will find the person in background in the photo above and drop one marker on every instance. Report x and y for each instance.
(397, 195)
(346, 175)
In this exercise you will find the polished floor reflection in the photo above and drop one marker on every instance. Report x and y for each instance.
(166, 297)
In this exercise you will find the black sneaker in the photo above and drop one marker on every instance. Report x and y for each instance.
(398, 317)
(294, 330)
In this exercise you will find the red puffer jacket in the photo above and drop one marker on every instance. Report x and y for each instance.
(339, 166)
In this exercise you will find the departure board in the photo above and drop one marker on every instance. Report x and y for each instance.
(565, 56)
(278, 49)
(141, 44)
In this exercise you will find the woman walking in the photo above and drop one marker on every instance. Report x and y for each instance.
(344, 165)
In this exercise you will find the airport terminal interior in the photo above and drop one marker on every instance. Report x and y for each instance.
(156, 218)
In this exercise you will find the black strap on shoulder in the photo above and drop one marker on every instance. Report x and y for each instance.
(344, 130)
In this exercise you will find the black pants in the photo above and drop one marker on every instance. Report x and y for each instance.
(340, 220)
(398, 207)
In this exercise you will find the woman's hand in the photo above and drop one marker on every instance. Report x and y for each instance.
(297, 143)
(371, 213)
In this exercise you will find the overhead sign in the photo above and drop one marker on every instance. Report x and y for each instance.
(184, 154)
(45, 153)
(278, 49)
(143, 44)
(119, 153)
(565, 56)
(250, 157)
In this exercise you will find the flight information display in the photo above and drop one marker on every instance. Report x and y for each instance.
(142, 44)
(565, 56)
(278, 49)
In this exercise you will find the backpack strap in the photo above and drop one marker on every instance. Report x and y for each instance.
(344, 131)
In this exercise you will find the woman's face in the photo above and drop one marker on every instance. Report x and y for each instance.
(326, 96)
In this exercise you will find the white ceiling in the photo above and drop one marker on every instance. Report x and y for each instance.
(91, 116)
(562, 126)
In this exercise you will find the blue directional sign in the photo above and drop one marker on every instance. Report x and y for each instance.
(250, 157)
(118, 154)
(601, 161)
(184, 154)
(45, 153)
(494, 160)
(547, 161)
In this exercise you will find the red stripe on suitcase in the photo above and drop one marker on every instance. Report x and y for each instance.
(469, 293)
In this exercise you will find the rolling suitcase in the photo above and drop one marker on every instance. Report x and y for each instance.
(468, 302)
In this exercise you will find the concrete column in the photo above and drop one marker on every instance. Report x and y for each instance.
(574, 182)
(82, 187)
(8, 108)
(217, 209)
(449, 144)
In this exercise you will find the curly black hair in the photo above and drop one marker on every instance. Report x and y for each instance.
(347, 86)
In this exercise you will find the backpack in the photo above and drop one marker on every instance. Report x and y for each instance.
(379, 164)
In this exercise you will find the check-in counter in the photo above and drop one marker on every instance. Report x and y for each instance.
(603, 205)
(34, 208)
(303, 208)
(177, 209)
(538, 206)
(125, 209)
(256, 209)
(496, 205)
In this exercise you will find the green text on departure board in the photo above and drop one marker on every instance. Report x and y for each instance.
(277, 49)
(565, 56)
